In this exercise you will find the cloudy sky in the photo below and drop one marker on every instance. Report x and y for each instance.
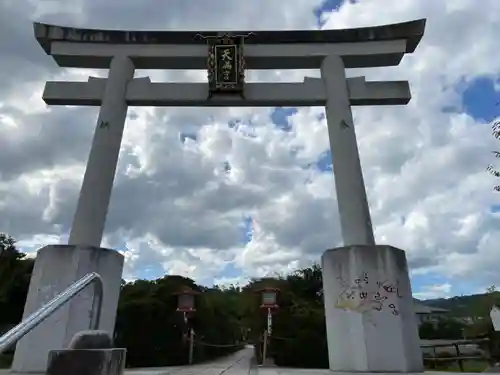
(225, 194)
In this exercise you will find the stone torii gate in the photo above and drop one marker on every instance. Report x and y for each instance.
(368, 303)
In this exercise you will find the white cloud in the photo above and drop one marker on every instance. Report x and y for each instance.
(434, 291)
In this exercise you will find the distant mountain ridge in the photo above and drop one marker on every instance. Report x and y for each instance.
(465, 306)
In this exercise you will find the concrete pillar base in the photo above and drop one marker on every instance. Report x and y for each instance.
(370, 319)
(56, 268)
(87, 362)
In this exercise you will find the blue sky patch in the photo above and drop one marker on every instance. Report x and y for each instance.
(480, 99)
(424, 284)
(328, 6)
(230, 271)
(324, 163)
(280, 115)
(247, 229)
(152, 271)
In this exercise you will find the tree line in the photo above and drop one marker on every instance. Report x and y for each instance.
(226, 318)
(495, 131)
(147, 322)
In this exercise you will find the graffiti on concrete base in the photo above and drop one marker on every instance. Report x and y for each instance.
(363, 296)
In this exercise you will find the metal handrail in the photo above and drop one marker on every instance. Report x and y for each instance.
(16, 333)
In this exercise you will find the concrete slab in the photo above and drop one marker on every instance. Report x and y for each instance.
(235, 364)
(493, 369)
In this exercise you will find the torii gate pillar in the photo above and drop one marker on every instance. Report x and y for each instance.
(93, 202)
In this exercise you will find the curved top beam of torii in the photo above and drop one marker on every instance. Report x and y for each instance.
(294, 49)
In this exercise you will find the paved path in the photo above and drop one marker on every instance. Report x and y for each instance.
(299, 371)
(238, 363)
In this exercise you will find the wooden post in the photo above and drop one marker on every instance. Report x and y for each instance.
(264, 349)
(433, 366)
(191, 345)
(459, 360)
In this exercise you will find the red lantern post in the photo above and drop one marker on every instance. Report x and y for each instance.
(186, 305)
(269, 299)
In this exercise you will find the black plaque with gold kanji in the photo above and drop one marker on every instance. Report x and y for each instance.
(226, 65)
(226, 60)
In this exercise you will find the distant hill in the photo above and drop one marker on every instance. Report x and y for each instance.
(466, 306)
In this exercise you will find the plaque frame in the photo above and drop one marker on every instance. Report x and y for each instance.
(232, 82)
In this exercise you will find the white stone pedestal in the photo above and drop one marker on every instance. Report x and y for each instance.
(56, 268)
(370, 319)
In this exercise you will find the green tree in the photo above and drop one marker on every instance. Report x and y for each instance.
(483, 326)
(154, 333)
(450, 329)
(147, 323)
(15, 274)
(427, 331)
(445, 329)
(299, 331)
(495, 127)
